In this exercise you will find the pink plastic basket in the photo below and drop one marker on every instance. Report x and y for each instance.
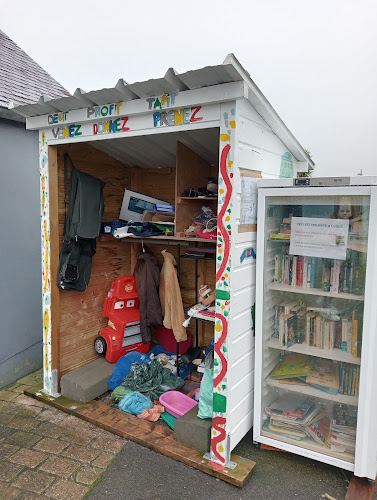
(177, 403)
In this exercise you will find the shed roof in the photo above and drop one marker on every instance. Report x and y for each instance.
(230, 71)
(22, 80)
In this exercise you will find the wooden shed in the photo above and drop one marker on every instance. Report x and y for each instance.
(160, 137)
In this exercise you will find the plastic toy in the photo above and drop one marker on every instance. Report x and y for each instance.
(122, 334)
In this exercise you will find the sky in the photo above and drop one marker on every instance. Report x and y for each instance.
(315, 61)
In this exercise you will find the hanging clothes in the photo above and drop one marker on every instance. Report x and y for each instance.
(147, 276)
(171, 298)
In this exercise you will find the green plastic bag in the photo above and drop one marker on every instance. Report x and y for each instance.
(151, 380)
(206, 386)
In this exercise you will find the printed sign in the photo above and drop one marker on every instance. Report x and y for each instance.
(249, 194)
(316, 237)
(286, 165)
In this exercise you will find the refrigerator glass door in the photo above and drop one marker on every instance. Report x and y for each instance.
(314, 272)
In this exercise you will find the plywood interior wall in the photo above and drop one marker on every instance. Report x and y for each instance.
(80, 314)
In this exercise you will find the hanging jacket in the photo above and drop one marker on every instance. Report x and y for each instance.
(147, 276)
(171, 298)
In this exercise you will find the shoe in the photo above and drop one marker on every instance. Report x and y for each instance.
(210, 235)
(203, 192)
(190, 193)
(210, 231)
(205, 216)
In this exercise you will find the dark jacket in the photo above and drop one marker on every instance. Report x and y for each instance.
(147, 275)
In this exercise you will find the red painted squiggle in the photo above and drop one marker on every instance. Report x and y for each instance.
(216, 423)
(223, 231)
(218, 345)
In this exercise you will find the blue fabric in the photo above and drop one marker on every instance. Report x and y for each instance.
(135, 403)
(123, 365)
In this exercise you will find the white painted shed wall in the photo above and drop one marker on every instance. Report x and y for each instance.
(256, 147)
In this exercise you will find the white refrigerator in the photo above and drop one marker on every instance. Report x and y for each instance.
(316, 320)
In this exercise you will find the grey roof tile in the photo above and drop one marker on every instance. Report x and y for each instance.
(22, 80)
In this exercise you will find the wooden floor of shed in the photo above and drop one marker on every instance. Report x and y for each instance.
(148, 434)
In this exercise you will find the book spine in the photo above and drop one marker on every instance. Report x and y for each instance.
(286, 269)
(307, 332)
(309, 272)
(305, 272)
(355, 326)
(313, 271)
(332, 334)
(335, 285)
(276, 268)
(338, 335)
(312, 325)
(331, 276)
(344, 334)
(349, 335)
(290, 272)
(294, 271)
(275, 332)
(281, 329)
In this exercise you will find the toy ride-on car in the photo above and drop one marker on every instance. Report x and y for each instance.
(122, 334)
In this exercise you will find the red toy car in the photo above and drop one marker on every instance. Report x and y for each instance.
(122, 334)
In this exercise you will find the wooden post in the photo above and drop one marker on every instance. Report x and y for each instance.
(54, 258)
(135, 186)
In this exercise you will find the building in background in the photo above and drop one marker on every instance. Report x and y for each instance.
(22, 81)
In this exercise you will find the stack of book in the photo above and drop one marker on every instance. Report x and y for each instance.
(296, 418)
(289, 416)
(343, 429)
(323, 328)
(323, 374)
(329, 275)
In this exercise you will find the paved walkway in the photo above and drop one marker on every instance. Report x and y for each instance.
(45, 453)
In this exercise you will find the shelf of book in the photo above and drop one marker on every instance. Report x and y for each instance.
(309, 444)
(335, 354)
(312, 391)
(314, 291)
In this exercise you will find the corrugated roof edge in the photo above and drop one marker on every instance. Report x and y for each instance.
(265, 109)
(231, 70)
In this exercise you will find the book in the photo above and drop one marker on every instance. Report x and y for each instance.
(319, 430)
(293, 365)
(310, 328)
(344, 417)
(292, 408)
(355, 327)
(325, 375)
(280, 236)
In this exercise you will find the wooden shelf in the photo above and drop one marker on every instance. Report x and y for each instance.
(313, 291)
(335, 354)
(312, 391)
(178, 239)
(206, 198)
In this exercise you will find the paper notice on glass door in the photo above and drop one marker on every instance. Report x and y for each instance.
(248, 200)
(315, 237)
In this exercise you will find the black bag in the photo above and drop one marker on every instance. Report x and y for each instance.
(82, 226)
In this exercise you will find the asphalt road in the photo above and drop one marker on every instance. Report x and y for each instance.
(138, 473)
